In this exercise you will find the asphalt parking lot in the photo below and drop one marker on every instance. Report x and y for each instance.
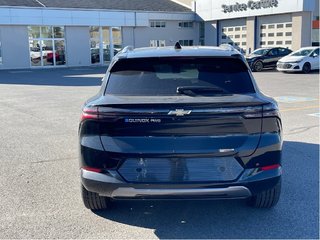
(39, 180)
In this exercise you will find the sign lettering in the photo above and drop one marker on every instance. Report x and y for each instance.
(253, 5)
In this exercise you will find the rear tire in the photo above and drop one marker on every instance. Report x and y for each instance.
(93, 201)
(306, 68)
(266, 199)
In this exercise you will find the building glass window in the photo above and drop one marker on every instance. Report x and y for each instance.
(157, 24)
(59, 47)
(47, 45)
(46, 32)
(279, 34)
(47, 52)
(262, 43)
(270, 34)
(289, 25)
(237, 29)
(279, 25)
(105, 42)
(263, 27)
(288, 42)
(279, 42)
(58, 32)
(270, 42)
(34, 32)
(186, 24)
(262, 35)
(230, 29)
(201, 33)
(117, 39)
(244, 28)
(95, 44)
(157, 43)
(271, 26)
(288, 34)
(244, 35)
(186, 42)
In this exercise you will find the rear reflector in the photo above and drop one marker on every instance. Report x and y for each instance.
(97, 170)
(271, 167)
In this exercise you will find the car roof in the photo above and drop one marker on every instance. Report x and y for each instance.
(194, 51)
(308, 48)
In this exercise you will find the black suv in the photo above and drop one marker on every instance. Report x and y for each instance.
(266, 58)
(172, 123)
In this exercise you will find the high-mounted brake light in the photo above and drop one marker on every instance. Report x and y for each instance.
(89, 113)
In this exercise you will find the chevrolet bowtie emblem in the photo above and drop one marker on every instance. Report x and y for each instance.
(180, 112)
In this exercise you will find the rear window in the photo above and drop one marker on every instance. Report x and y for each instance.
(162, 76)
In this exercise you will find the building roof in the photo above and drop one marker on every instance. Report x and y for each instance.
(135, 5)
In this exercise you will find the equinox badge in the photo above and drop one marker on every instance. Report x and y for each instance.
(180, 112)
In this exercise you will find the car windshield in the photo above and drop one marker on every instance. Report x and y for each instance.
(303, 52)
(261, 51)
(174, 76)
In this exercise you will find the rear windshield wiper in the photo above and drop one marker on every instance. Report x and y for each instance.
(192, 90)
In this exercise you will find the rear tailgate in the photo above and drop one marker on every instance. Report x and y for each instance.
(216, 126)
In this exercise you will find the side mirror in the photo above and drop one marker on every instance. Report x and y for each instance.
(315, 55)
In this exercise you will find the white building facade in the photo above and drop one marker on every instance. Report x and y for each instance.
(250, 24)
(41, 37)
(53, 33)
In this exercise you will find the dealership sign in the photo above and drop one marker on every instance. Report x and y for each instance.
(237, 7)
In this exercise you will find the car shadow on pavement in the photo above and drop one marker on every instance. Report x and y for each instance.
(295, 216)
(86, 76)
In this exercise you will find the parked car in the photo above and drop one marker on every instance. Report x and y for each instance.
(266, 58)
(180, 122)
(59, 55)
(305, 60)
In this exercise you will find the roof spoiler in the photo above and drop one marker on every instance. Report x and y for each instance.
(127, 49)
(226, 46)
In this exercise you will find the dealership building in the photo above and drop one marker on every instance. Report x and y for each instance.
(58, 33)
(251, 24)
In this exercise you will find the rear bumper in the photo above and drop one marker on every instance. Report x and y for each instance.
(229, 192)
(250, 183)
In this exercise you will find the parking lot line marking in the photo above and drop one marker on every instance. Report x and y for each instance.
(314, 115)
(20, 71)
(293, 99)
(301, 108)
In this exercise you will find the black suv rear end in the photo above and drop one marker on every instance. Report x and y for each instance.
(180, 124)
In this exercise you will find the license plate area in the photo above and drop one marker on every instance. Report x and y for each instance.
(180, 170)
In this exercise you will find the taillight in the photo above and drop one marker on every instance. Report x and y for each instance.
(271, 110)
(270, 167)
(91, 169)
(89, 113)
